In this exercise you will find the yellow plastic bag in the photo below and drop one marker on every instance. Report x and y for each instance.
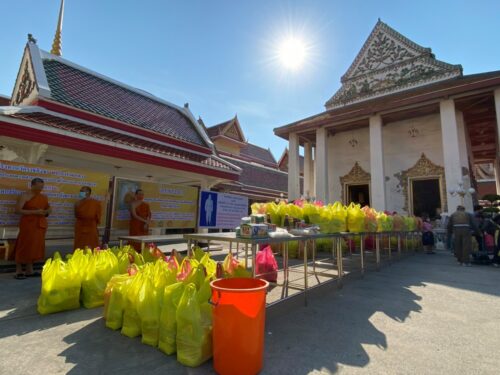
(148, 307)
(60, 287)
(168, 320)
(355, 218)
(370, 219)
(114, 300)
(103, 265)
(131, 319)
(194, 329)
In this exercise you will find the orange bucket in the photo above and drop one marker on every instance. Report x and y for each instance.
(238, 325)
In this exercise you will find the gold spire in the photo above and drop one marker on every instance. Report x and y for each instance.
(56, 45)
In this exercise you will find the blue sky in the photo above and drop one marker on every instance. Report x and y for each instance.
(220, 55)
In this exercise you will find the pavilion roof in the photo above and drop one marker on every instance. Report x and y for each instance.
(63, 82)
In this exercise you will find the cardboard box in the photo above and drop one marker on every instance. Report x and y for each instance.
(253, 230)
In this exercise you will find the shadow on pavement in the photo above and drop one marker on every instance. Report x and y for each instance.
(332, 331)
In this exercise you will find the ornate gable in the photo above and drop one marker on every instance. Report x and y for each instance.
(387, 63)
(233, 130)
(25, 89)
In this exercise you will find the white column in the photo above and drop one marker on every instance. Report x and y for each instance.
(463, 150)
(321, 165)
(293, 167)
(451, 151)
(313, 173)
(308, 165)
(377, 197)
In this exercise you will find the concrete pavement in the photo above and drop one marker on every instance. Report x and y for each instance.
(421, 315)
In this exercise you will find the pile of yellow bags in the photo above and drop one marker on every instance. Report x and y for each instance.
(167, 303)
(336, 218)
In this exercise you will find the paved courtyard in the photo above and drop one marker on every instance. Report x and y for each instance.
(421, 315)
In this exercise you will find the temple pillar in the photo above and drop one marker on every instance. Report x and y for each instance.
(451, 151)
(377, 198)
(321, 165)
(308, 170)
(293, 167)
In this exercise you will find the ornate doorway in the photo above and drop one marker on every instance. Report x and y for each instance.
(424, 187)
(356, 186)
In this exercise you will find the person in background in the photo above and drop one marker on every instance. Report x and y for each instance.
(496, 254)
(460, 225)
(427, 234)
(140, 218)
(88, 216)
(479, 220)
(33, 206)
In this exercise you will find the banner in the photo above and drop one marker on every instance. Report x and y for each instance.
(172, 206)
(221, 210)
(62, 186)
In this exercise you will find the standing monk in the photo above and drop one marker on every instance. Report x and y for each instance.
(140, 217)
(88, 217)
(461, 224)
(33, 206)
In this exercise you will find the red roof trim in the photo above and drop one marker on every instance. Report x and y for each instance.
(71, 111)
(58, 140)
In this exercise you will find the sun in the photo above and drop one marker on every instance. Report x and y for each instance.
(292, 53)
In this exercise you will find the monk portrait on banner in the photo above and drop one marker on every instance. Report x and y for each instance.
(140, 217)
(88, 213)
(34, 208)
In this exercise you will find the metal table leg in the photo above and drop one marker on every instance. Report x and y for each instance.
(254, 255)
(377, 251)
(121, 243)
(399, 245)
(143, 245)
(305, 272)
(389, 240)
(340, 265)
(246, 255)
(362, 253)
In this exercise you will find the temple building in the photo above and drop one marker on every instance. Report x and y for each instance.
(261, 179)
(403, 133)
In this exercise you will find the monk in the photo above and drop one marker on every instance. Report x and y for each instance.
(33, 206)
(88, 217)
(140, 218)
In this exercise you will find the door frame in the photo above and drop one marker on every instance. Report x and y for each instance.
(423, 178)
(346, 186)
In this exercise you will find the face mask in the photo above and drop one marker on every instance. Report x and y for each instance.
(83, 194)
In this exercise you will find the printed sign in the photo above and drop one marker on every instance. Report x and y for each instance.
(62, 186)
(172, 206)
(221, 211)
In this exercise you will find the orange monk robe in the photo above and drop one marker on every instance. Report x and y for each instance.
(88, 217)
(137, 227)
(30, 243)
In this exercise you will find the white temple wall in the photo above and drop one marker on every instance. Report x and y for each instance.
(342, 156)
(402, 151)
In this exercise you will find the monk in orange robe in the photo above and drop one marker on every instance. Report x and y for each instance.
(140, 218)
(30, 244)
(88, 217)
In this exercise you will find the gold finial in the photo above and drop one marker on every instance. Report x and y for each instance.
(56, 45)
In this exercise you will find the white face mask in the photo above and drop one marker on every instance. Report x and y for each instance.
(83, 194)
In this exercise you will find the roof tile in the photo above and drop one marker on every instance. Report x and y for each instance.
(88, 92)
